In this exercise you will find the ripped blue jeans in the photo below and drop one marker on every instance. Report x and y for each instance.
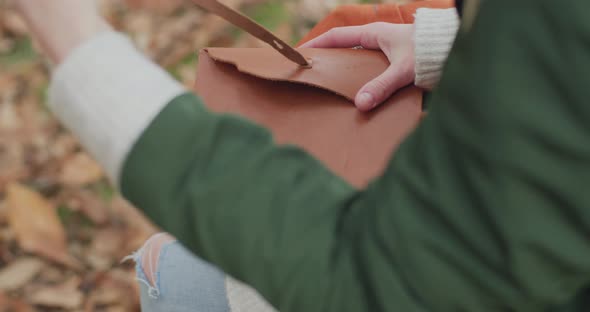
(180, 282)
(172, 279)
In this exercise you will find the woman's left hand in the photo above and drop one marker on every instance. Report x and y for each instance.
(395, 40)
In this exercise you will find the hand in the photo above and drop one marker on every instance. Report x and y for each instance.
(61, 25)
(395, 40)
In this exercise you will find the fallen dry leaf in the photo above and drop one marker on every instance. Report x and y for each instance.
(13, 22)
(90, 204)
(18, 273)
(37, 227)
(138, 226)
(116, 309)
(6, 236)
(107, 296)
(8, 304)
(80, 170)
(9, 119)
(3, 212)
(112, 291)
(12, 164)
(63, 145)
(51, 275)
(106, 248)
(65, 296)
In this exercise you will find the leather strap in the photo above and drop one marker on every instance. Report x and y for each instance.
(252, 28)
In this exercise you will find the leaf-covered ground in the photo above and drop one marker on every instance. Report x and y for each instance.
(63, 228)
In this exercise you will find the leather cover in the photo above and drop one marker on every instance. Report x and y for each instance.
(262, 86)
(313, 107)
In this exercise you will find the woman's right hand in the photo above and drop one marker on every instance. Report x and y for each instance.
(62, 25)
(395, 40)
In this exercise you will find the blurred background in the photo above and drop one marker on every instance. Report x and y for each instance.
(63, 229)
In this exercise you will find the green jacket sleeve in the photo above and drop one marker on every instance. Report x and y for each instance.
(483, 208)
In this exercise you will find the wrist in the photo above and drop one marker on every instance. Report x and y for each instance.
(62, 25)
(62, 47)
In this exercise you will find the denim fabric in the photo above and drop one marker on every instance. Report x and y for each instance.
(183, 283)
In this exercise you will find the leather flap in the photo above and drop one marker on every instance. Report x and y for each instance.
(342, 71)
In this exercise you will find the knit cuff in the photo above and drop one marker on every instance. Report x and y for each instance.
(434, 36)
(107, 93)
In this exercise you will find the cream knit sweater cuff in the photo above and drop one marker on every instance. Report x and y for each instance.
(107, 93)
(434, 36)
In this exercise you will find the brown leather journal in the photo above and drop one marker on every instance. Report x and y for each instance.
(311, 106)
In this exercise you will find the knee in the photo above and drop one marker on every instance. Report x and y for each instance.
(172, 278)
(147, 259)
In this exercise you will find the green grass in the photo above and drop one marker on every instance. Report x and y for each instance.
(104, 189)
(191, 59)
(69, 217)
(270, 15)
(22, 52)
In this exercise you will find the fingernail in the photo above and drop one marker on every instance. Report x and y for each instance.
(366, 101)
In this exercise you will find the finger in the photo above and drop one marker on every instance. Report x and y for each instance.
(381, 88)
(345, 37)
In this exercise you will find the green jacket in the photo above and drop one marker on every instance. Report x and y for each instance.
(485, 207)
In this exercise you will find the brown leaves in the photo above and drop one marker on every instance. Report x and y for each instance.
(37, 230)
(87, 203)
(19, 273)
(12, 22)
(37, 226)
(106, 248)
(12, 164)
(8, 304)
(80, 170)
(66, 296)
(113, 290)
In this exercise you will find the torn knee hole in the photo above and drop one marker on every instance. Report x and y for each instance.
(148, 258)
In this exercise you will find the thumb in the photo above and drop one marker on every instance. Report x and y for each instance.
(381, 88)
